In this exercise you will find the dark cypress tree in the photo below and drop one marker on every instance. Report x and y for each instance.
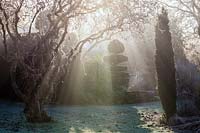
(165, 65)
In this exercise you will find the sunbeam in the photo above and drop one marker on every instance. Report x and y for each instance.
(90, 66)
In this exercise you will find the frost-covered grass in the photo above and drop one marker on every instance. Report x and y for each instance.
(76, 119)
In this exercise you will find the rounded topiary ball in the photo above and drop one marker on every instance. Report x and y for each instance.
(116, 46)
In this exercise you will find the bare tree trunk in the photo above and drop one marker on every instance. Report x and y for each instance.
(33, 105)
(34, 112)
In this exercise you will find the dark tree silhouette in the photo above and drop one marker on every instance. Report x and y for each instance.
(165, 65)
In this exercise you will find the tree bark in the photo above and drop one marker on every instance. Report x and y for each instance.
(30, 95)
(34, 112)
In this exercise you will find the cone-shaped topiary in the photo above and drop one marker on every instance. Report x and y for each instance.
(165, 65)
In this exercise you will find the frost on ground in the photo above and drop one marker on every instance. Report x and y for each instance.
(150, 114)
(76, 119)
